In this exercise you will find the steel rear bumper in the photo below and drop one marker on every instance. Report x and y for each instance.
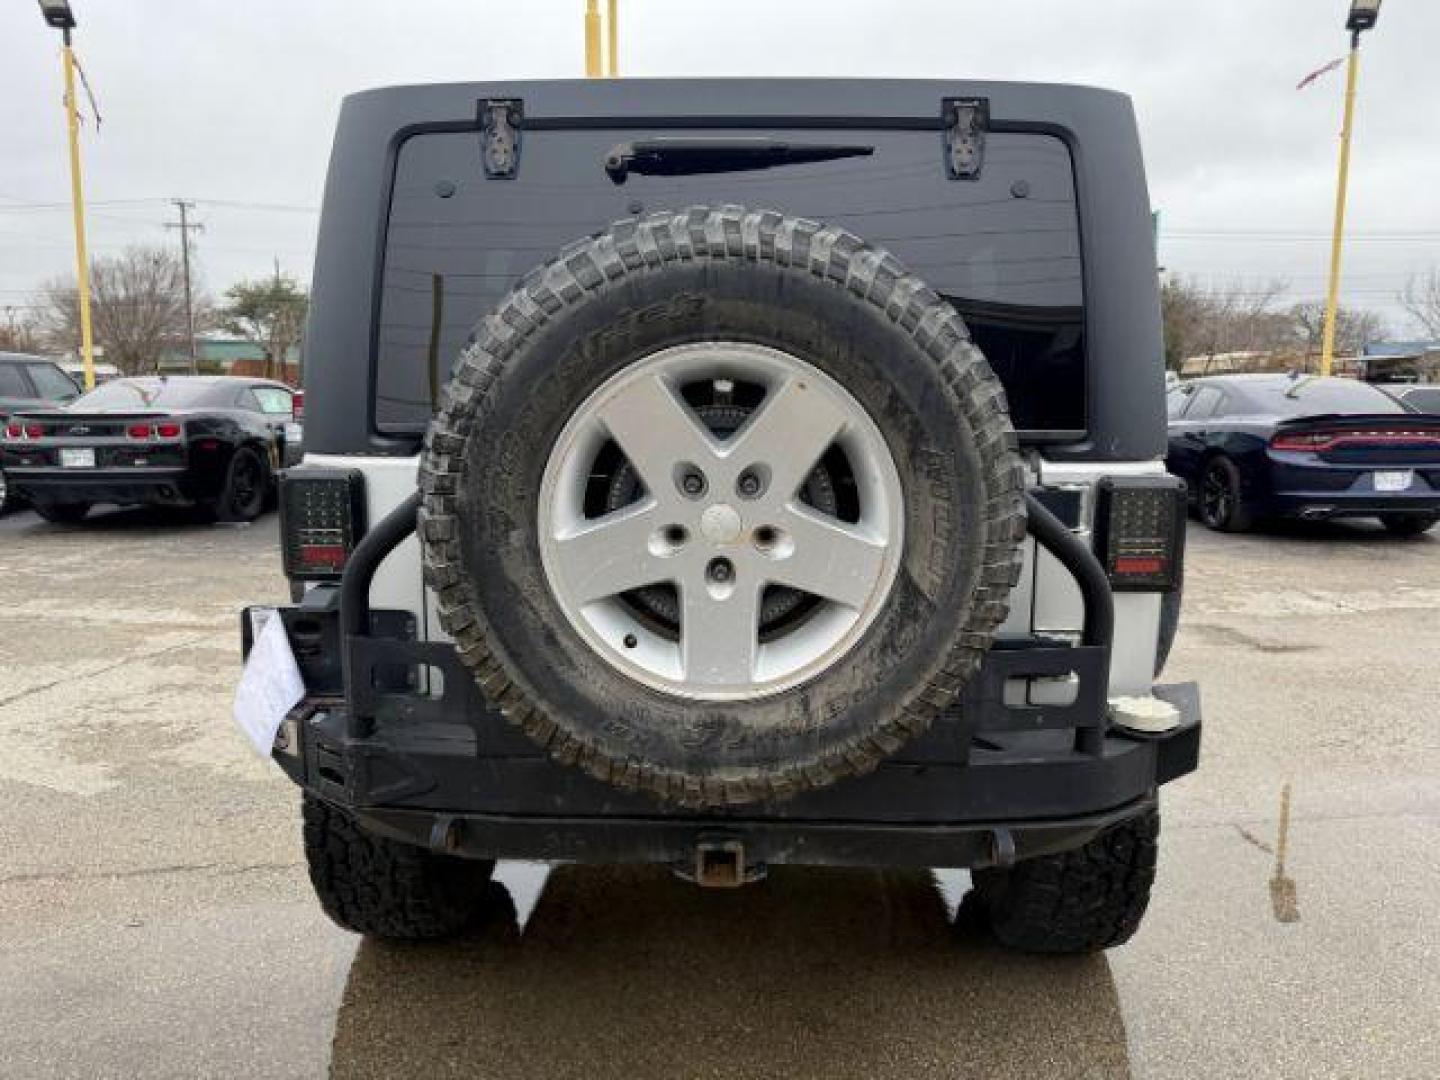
(990, 782)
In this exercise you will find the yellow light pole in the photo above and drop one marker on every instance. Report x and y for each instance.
(594, 62)
(58, 15)
(612, 29)
(1363, 16)
(600, 63)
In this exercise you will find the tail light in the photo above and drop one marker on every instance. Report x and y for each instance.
(14, 431)
(297, 406)
(1315, 441)
(167, 430)
(138, 431)
(24, 431)
(1140, 531)
(322, 517)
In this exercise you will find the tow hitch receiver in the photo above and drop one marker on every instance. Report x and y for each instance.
(720, 864)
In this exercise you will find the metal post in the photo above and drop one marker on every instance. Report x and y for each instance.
(594, 67)
(77, 202)
(612, 29)
(1332, 300)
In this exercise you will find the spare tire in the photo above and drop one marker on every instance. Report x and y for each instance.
(722, 505)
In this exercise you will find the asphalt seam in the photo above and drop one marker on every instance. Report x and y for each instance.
(148, 871)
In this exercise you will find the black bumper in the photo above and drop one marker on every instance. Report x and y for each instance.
(162, 485)
(993, 780)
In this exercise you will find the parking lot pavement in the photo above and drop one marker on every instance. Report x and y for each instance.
(155, 919)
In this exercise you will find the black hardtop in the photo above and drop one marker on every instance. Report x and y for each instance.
(1125, 392)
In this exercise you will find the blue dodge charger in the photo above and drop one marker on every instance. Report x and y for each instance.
(1256, 446)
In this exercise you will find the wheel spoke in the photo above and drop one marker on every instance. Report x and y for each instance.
(832, 559)
(656, 430)
(720, 638)
(795, 425)
(611, 555)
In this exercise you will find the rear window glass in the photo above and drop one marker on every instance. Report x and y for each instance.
(1318, 396)
(1426, 400)
(155, 393)
(1003, 248)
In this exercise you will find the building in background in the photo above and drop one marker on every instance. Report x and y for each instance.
(1401, 361)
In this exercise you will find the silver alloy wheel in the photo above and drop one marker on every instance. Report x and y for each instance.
(721, 520)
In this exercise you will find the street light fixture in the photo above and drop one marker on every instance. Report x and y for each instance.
(58, 15)
(1364, 14)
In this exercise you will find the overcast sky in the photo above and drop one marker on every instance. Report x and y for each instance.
(232, 105)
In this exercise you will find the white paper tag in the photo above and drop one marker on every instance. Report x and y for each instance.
(270, 685)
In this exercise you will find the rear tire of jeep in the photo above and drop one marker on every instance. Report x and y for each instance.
(744, 309)
(1079, 901)
(385, 889)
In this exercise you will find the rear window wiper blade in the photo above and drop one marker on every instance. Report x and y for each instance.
(685, 157)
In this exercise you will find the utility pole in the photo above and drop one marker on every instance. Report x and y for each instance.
(185, 225)
(600, 61)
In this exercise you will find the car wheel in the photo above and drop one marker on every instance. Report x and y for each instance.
(1408, 524)
(1221, 505)
(722, 505)
(1077, 901)
(67, 513)
(385, 889)
(246, 483)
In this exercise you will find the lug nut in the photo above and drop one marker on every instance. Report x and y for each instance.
(692, 483)
(721, 571)
(748, 485)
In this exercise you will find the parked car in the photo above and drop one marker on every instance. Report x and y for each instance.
(29, 382)
(1258, 446)
(1422, 397)
(183, 440)
(714, 520)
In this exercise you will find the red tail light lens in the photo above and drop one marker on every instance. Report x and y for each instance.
(298, 405)
(14, 431)
(1315, 441)
(138, 431)
(1310, 441)
(1140, 532)
(34, 431)
(322, 517)
(167, 431)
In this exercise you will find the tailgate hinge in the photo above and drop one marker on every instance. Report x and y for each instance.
(966, 121)
(500, 121)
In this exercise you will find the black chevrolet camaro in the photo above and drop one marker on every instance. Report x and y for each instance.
(1256, 446)
(215, 442)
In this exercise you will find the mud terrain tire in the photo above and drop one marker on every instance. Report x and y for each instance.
(385, 889)
(726, 274)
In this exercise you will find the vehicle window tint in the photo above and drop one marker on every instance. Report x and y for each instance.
(12, 382)
(1311, 395)
(1206, 399)
(156, 392)
(51, 383)
(1426, 400)
(273, 400)
(246, 399)
(1176, 400)
(1003, 248)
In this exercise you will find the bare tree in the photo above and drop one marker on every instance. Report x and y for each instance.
(18, 332)
(1421, 299)
(1210, 322)
(1353, 328)
(137, 309)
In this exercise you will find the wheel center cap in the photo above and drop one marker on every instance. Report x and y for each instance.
(721, 524)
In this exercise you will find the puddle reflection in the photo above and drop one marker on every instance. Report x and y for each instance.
(626, 972)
